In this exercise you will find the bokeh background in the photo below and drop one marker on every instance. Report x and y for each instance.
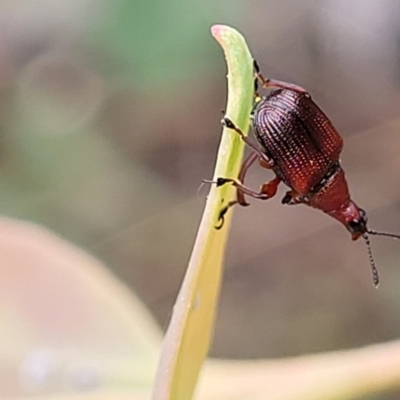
(109, 120)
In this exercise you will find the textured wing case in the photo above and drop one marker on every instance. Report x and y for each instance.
(298, 136)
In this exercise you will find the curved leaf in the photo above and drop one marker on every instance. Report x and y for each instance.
(188, 336)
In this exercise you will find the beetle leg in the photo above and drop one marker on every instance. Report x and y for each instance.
(272, 83)
(243, 170)
(270, 188)
(221, 217)
(229, 124)
(267, 191)
(264, 164)
(240, 199)
(256, 95)
(292, 197)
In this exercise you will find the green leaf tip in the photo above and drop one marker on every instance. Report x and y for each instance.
(189, 333)
(240, 95)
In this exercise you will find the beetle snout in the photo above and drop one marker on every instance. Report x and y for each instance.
(352, 217)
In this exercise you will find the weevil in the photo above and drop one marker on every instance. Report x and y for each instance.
(298, 142)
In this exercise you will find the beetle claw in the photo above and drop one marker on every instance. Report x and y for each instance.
(221, 218)
(255, 66)
(222, 181)
(220, 224)
(227, 123)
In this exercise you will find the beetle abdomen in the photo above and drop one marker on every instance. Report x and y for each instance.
(298, 136)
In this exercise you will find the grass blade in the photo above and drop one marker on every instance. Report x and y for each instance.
(187, 339)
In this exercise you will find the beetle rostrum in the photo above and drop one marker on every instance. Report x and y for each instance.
(298, 142)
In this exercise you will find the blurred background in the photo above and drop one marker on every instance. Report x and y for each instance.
(109, 120)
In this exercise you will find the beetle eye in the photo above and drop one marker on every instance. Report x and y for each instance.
(358, 225)
(354, 225)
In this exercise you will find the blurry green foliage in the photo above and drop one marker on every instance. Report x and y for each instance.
(160, 42)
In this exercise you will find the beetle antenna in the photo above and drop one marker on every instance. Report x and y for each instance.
(392, 235)
(375, 275)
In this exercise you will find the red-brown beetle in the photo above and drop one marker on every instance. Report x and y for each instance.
(301, 146)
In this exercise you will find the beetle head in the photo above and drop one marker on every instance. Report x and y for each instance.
(355, 220)
(357, 226)
(352, 217)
